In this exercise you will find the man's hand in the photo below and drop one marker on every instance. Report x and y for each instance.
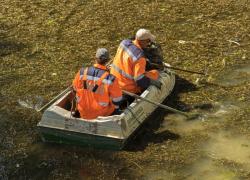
(117, 111)
(155, 83)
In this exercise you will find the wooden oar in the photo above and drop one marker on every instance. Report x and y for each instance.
(175, 68)
(189, 116)
(55, 98)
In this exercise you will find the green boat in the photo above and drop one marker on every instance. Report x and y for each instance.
(110, 132)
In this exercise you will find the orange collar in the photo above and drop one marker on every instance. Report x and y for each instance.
(137, 43)
(99, 66)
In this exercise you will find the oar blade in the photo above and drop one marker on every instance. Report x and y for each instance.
(193, 116)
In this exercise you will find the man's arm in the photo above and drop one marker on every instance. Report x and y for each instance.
(115, 93)
(139, 74)
(141, 79)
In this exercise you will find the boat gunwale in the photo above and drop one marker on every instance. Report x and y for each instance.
(50, 127)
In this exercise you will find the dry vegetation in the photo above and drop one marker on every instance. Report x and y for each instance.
(44, 43)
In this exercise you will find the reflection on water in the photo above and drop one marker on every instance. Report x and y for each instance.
(224, 109)
(207, 169)
(31, 102)
(235, 148)
(235, 77)
(221, 146)
(180, 125)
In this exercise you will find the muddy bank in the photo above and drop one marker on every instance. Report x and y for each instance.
(43, 44)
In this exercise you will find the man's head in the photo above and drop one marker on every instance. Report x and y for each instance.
(144, 37)
(102, 56)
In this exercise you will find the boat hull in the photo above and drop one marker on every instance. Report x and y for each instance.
(51, 135)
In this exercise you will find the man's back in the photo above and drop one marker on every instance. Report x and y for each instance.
(97, 91)
(129, 65)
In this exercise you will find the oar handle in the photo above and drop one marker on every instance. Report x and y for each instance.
(184, 70)
(175, 68)
(156, 103)
(55, 98)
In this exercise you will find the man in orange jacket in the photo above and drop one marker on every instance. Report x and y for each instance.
(97, 91)
(130, 62)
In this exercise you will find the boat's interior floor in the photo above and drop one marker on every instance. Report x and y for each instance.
(68, 102)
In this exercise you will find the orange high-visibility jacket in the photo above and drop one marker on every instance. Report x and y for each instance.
(97, 92)
(129, 67)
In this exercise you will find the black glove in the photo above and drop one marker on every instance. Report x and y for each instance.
(155, 83)
(117, 111)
